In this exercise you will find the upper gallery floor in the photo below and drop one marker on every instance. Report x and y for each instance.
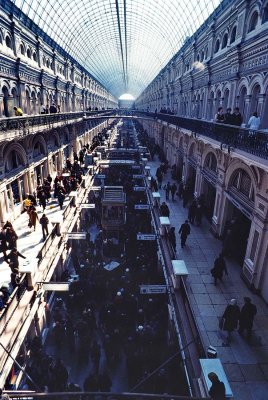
(223, 64)
(34, 70)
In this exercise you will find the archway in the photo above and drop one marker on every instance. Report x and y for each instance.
(254, 104)
(6, 110)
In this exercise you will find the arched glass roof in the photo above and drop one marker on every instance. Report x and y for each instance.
(122, 43)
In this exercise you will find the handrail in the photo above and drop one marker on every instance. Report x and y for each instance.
(23, 124)
(248, 140)
(98, 395)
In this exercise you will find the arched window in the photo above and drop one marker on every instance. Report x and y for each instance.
(242, 183)
(202, 56)
(217, 46)
(233, 35)
(8, 42)
(253, 21)
(206, 53)
(38, 149)
(13, 161)
(211, 162)
(265, 14)
(224, 41)
(29, 55)
(198, 57)
(22, 49)
(34, 56)
(47, 63)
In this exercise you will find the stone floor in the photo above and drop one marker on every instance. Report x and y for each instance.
(246, 365)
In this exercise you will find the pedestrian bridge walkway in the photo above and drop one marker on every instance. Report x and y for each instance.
(246, 365)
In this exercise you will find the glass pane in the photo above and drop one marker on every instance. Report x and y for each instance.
(122, 43)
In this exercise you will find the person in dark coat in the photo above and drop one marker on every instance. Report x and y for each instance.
(164, 210)
(172, 237)
(13, 258)
(91, 383)
(192, 212)
(173, 190)
(230, 319)
(217, 389)
(237, 117)
(167, 189)
(184, 231)
(247, 314)
(219, 269)
(44, 223)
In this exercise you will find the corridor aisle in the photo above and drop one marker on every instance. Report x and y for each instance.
(29, 241)
(246, 365)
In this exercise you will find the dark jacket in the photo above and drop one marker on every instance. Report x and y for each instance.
(185, 230)
(217, 391)
(247, 315)
(219, 267)
(231, 316)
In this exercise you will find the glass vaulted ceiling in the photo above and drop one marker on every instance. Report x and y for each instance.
(122, 43)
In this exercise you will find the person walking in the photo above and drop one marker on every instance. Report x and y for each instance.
(44, 223)
(167, 189)
(61, 198)
(247, 314)
(13, 258)
(173, 190)
(33, 218)
(217, 389)
(219, 269)
(184, 231)
(172, 238)
(192, 212)
(230, 319)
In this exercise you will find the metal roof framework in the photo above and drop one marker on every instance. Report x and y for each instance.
(124, 44)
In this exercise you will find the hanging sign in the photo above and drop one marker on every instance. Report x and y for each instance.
(86, 205)
(138, 176)
(153, 289)
(142, 207)
(100, 176)
(76, 235)
(139, 188)
(145, 236)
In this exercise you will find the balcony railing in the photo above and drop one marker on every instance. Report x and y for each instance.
(26, 124)
(250, 141)
(98, 396)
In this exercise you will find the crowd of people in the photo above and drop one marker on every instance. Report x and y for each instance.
(105, 320)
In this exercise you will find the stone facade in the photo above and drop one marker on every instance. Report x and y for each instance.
(32, 73)
(223, 64)
(24, 159)
(232, 184)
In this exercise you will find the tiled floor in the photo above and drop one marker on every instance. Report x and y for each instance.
(246, 365)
